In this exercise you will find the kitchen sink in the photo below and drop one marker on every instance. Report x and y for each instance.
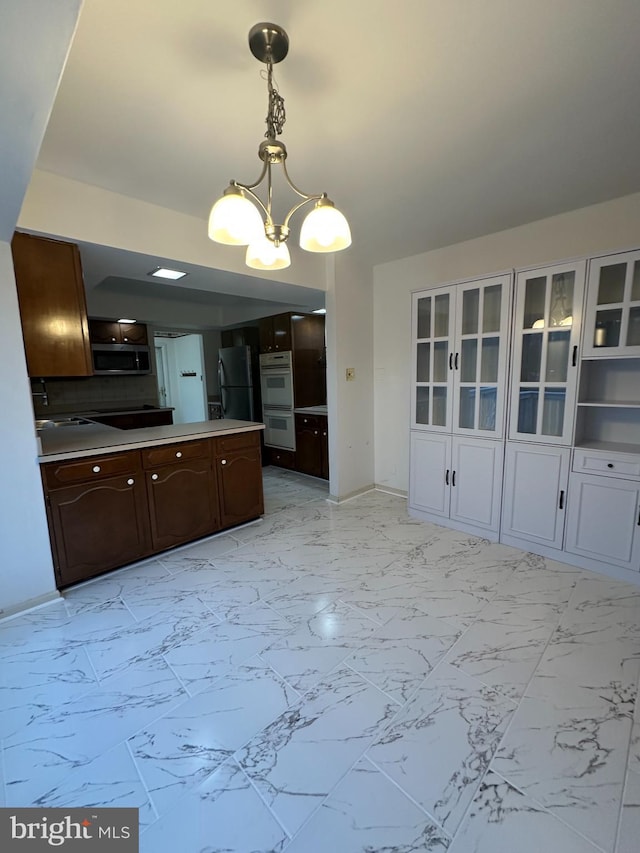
(60, 422)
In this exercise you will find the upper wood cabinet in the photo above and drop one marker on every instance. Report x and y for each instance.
(113, 332)
(52, 306)
(275, 333)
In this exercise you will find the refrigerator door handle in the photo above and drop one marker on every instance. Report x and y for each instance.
(221, 387)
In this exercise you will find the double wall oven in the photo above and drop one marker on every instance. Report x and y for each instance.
(276, 383)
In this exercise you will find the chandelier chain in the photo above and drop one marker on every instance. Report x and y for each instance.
(276, 116)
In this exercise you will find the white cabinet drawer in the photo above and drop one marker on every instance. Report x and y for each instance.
(609, 464)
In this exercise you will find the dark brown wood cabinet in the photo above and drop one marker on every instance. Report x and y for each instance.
(181, 491)
(275, 333)
(238, 469)
(97, 511)
(107, 511)
(135, 420)
(113, 332)
(312, 445)
(53, 308)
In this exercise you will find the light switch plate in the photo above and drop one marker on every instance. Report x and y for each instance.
(350, 374)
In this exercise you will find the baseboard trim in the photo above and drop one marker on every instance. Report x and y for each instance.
(399, 493)
(29, 605)
(336, 499)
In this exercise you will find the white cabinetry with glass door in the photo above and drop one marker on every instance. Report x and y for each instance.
(460, 348)
(547, 319)
(612, 317)
(460, 337)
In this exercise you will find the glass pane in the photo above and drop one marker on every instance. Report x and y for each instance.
(491, 308)
(557, 357)
(534, 303)
(440, 361)
(633, 332)
(439, 406)
(635, 285)
(469, 360)
(528, 410)
(607, 333)
(441, 329)
(531, 353)
(423, 362)
(422, 405)
(553, 411)
(489, 361)
(424, 317)
(611, 288)
(561, 305)
(470, 306)
(487, 416)
(466, 419)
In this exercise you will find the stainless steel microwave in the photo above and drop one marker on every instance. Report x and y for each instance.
(120, 359)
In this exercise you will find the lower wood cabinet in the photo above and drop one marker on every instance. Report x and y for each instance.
(97, 520)
(312, 445)
(107, 511)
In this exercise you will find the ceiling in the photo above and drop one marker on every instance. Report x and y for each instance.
(444, 121)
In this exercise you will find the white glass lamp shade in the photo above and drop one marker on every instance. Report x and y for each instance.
(325, 229)
(263, 254)
(234, 220)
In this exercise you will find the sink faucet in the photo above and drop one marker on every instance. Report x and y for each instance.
(42, 394)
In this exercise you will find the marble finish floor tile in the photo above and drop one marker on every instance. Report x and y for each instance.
(334, 677)
(440, 744)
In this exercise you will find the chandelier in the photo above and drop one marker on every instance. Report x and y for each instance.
(241, 218)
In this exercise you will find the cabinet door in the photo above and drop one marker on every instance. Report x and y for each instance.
(480, 357)
(133, 333)
(432, 320)
(535, 493)
(282, 332)
(476, 482)
(609, 537)
(265, 331)
(182, 502)
(308, 446)
(53, 309)
(612, 321)
(97, 526)
(239, 477)
(545, 353)
(104, 332)
(324, 437)
(430, 474)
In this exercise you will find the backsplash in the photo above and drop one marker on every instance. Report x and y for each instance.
(78, 395)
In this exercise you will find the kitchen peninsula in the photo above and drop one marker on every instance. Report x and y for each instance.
(114, 497)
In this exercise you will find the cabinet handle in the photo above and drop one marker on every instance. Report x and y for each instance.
(179, 454)
(574, 359)
(450, 361)
(609, 464)
(315, 432)
(130, 482)
(304, 421)
(453, 478)
(455, 363)
(446, 478)
(96, 469)
(224, 461)
(126, 340)
(154, 476)
(561, 502)
(324, 433)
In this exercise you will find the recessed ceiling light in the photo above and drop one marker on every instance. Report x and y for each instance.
(163, 272)
(319, 311)
(126, 320)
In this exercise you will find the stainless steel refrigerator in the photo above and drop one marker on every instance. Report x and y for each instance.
(236, 383)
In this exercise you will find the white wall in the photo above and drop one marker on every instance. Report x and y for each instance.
(349, 325)
(601, 228)
(26, 568)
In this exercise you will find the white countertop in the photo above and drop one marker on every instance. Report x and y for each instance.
(73, 442)
(311, 410)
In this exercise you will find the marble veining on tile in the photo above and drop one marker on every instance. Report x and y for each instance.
(334, 677)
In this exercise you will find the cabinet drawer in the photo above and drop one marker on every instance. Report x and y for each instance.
(304, 421)
(241, 441)
(282, 458)
(179, 452)
(56, 474)
(609, 464)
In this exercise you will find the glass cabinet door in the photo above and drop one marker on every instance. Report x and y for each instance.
(432, 335)
(479, 360)
(612, 325)
(545, 358)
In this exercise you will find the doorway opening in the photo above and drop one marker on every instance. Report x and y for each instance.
(180, 368)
